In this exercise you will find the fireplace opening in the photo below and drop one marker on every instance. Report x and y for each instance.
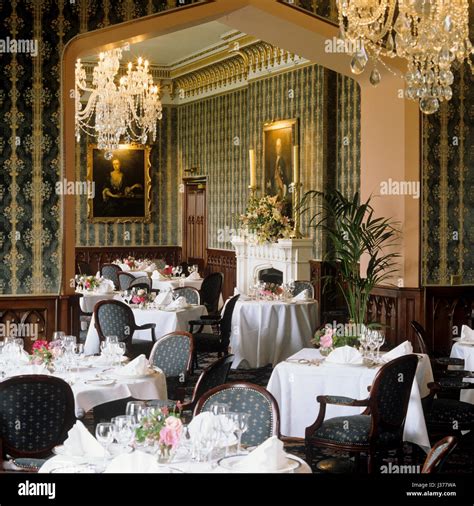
(271, 276)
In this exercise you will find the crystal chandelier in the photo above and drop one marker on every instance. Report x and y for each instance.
(126, 110)
(430, 34)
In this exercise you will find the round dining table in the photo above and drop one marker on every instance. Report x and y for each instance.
(268, 332)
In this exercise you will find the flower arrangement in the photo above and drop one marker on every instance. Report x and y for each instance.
(133, 263)
(42, 352)
(265, 219)
(161, 428)
(330, 337)
(88, 282)
(167, 271)
(140, 296)
(271, 290)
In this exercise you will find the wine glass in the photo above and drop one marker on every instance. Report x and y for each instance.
(104, 433)
(380, 340)
(58, 335)
(241, 421)
(123, 430)
(134, 409)
(196, 268)
(179, 270)
(121, 349)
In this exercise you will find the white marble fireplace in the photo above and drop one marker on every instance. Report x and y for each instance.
(290, 256)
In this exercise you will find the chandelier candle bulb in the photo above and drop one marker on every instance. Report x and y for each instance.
(253, 169)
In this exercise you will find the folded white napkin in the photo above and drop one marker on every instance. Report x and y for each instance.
(404, 348)
(107, 286)
(345, 355)
(206, 422)
(179, 303)
(157, 275)
(163, 298)
(467, 334)
(266, 458)
(135, 462)
(304, 295)
(194, 275)
(150, 268)
(137, 367)
(124, 267)
(80, 443)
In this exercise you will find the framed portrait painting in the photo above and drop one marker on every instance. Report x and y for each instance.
(278, 140)
(122, 185)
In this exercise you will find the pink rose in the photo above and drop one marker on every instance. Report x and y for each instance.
(169, 437)
(173, 422)
(326, 341)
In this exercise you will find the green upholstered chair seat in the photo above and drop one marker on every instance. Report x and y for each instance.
(447, 411)
(352, 430)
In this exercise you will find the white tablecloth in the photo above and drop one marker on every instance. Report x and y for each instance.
(466, 352)
(266, 332)
(89, 299)
(175, 283)
(296, 386)
(166, 322)
(87, 396)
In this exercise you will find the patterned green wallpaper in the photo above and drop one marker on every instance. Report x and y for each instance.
(164, 226)
(216, 134)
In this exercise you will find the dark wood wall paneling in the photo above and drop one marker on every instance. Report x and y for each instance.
(96, 256)
(219, 260)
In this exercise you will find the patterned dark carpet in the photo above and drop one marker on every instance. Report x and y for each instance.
(461, 461)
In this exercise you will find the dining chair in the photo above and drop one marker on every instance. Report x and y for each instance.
(128, 281)
(173, 354)
(110, 271)
(379, 427)
(36, 413)
(300, 286)
(190, 293)
(217, 342)
(242, 397)
(438, 455)
(448, 415)
(439, 364)
(115, 318)
(211, 291)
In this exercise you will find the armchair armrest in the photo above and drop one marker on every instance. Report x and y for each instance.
(342, 401)
(146, 326)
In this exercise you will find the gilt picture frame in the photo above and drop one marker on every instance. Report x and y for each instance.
(121, 185)
(279, 137)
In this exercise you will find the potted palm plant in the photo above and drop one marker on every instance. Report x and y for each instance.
(353, 231)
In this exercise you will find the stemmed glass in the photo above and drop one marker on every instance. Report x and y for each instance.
(134, 409)
(241, 424)
(104, 433)
(123, 431)
(380, 340)
(58, 335)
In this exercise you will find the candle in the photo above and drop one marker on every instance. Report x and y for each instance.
(296, 164)
(253, 169)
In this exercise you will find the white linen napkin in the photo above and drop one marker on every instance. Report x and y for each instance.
(345, 355)
(150, 268)
(266, 458)
(467, 334)
(404, 348)
(157, 275)
(194, 276)
(81, 443)
(179, 303)
(206, 422)
(303, 295)
(107, 286)
(124, 267)
(135, 462)
(163, 298)
(137, 367)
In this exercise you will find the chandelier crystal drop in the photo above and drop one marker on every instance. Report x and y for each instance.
(125, 110)
(431, 34)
